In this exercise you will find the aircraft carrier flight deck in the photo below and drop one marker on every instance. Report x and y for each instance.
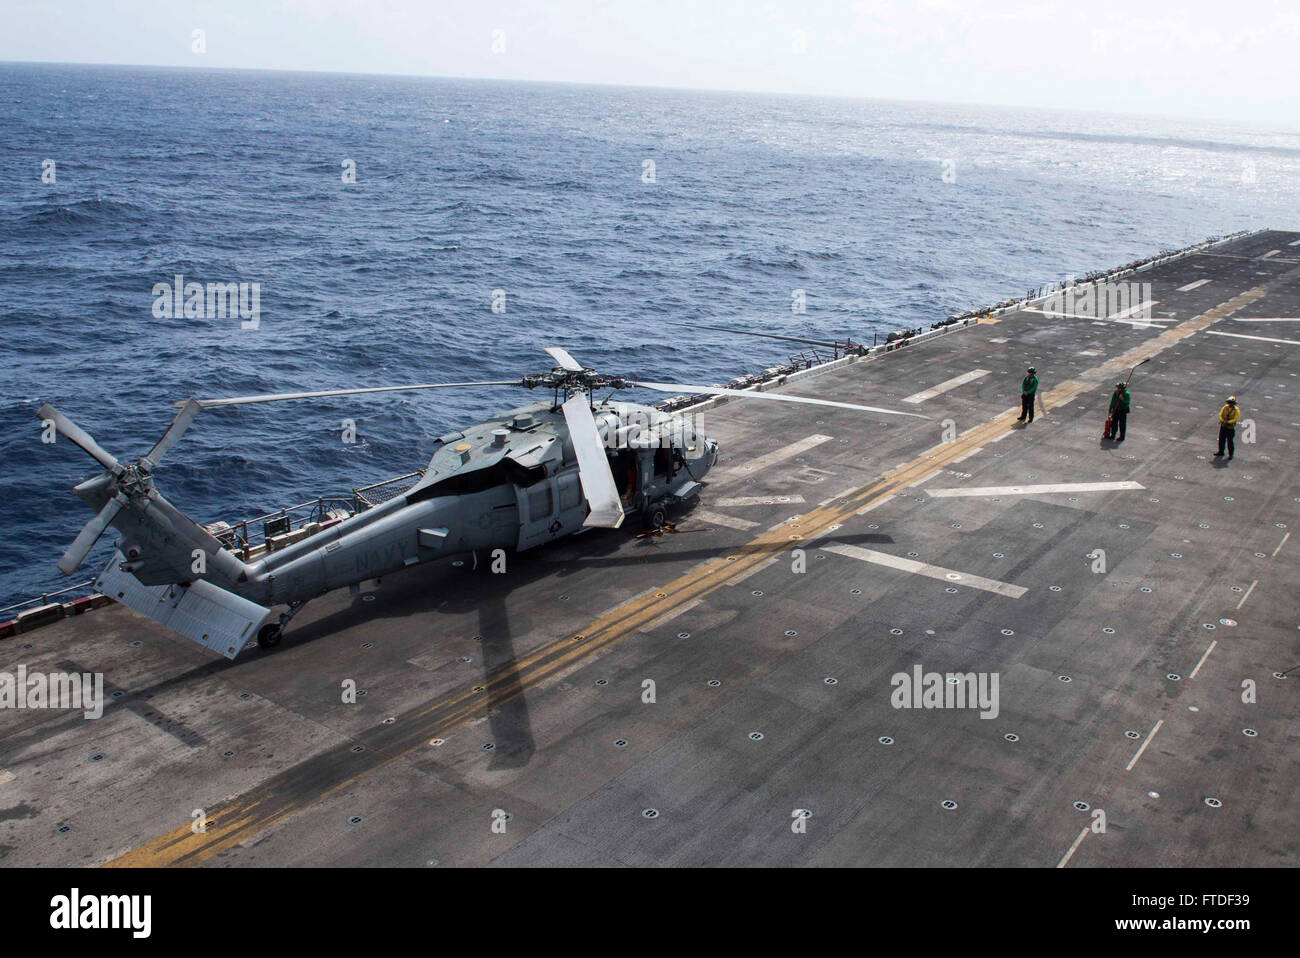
(687, 698)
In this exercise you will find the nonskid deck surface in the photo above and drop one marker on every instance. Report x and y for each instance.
(520, 698)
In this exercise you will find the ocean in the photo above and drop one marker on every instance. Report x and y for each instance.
(593, 216)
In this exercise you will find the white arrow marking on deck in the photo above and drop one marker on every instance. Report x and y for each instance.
(1191, 286)
(1031, 490)
(1262, 339)
(777, 455)
(921, 568)
(1272, 252)
(758, 500)
(1294, 243)
(944, 386)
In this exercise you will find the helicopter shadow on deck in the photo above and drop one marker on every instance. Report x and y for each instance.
(441, 587)
(458, 590)
(462, 590)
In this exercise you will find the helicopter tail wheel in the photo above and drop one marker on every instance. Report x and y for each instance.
(270, 635)
(656, 517)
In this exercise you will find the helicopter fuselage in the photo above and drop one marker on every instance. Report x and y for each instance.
(511, 483)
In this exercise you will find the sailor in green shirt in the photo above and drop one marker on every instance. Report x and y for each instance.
(1120, 401)
(1028, 390)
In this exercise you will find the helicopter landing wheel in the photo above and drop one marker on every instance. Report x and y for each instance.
(656, 517)
(270, 635)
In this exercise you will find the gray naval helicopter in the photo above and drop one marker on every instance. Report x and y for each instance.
(521, 479)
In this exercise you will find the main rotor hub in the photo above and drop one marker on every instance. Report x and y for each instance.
(573, 380)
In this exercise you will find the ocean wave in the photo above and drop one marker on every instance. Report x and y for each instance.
(87, 213)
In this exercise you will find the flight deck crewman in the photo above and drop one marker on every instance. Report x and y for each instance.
(1028, 392)
(1228, 416)
(1120, 403)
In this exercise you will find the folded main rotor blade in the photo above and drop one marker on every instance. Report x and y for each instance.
(754, 394)
(279, 397)
(749, 332)
(89, 535)
(78, 437)
(173, 433)
(562, 357)
(593, 466)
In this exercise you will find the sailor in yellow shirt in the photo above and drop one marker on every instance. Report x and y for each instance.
(1228, 416)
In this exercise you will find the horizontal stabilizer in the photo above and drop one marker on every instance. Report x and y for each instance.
(214, 618)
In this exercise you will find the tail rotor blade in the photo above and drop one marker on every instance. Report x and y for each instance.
(78, 437)
(593, 467)
(562, 357)
(173, 433)
(778, 397)
(89, 535)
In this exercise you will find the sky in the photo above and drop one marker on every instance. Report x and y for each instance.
(1194, 58)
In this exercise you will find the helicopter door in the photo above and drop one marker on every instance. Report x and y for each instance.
(536, 513)
(627, 474)
(571, 505)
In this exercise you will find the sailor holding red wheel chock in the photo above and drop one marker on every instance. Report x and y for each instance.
(1120, 403)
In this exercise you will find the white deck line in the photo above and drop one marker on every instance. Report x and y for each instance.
(759, 501)
(718, 519)
(922, 568)
(946, 385)
(1034, 490)
(1262, 339)
(777, 455)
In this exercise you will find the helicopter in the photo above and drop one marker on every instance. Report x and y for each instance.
(523, 478)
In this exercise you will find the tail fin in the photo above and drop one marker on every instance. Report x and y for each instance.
(168, 566)
(162, 545)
